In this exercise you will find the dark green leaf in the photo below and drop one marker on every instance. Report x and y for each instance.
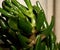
(25, 26)
(20, 7)
(40, 8)
(28, 3)
(48, 30)
(38, 44)
(23, 40)
(5, 13)
(13, 23)
(40, 20)
(52, 40)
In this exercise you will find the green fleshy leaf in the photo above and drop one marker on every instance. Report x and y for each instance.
(38, 44)
(25, 26)
(48, 30)
(40, 20)
(13, 23)
(52, 40)
(28, 3)
(40, 7)
(20, 7)
(5, 13)
(23, 40)
(14, 9)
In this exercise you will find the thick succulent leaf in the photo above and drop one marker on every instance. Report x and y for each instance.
(40, 20)
(13, 9)
(35, 8)
(5, 13)
(5, 7)
(8, 2)
(52, 37)
(52, 46)
(23, 40)
(52, 40)
(40, 7)
(48, 30)
(13, 23)
(8, 9)
(25, 26)
(38, 44)
(20, 7)
(28, 3)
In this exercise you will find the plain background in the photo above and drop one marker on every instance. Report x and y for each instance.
(48, 8)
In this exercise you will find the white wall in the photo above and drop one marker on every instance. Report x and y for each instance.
(49, 10)
(57, 19)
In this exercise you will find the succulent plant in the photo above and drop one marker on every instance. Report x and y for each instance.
(26, 28)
